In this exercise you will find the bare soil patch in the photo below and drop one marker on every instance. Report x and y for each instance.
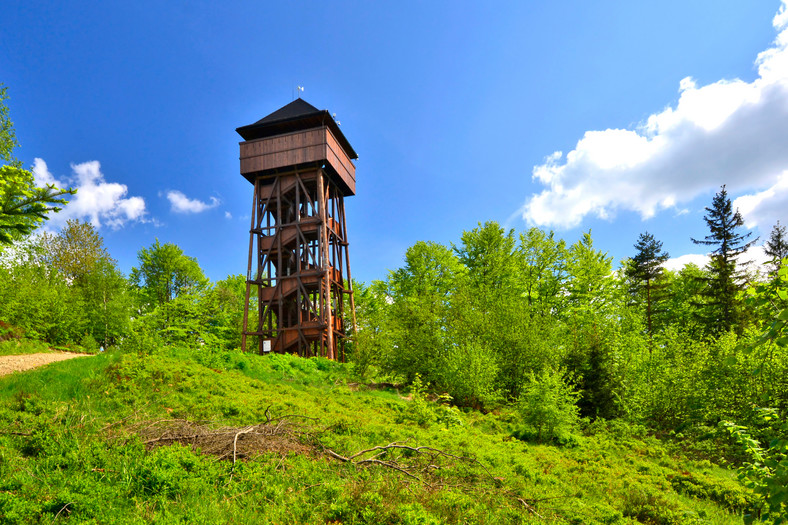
(18, 363)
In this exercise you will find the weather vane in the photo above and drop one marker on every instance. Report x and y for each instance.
(297, 92)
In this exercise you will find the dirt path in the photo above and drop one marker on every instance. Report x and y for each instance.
(18, 363)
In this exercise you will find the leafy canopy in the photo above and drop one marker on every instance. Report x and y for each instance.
(165, 272)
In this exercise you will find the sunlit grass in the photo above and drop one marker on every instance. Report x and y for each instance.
(63, 450)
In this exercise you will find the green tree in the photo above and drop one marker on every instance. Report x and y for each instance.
(592, 282)
(548, 406)
(592, 318)
(645, 274)
(777, 246)
(722, 308)
(488, 253)
(419, 316)
(543, 261)
(105, 292)
(492, 317)
(76, 250)
(37, 298)
(766, 472)
(164, 273)
(372, 337)
(230, 298)
(683, 300)
(23, 205)
(77, 254)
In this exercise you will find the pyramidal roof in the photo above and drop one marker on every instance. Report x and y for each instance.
(298, 108)
(295, 116)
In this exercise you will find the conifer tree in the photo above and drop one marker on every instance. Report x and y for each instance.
(23, 205)
(644, 271)
(724, 281)
(777, 246)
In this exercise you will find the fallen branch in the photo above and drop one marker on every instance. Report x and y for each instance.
(235, 440)
(12, 433)
(61, 510)
(411, 468)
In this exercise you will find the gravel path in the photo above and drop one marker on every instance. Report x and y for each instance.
(17, 363)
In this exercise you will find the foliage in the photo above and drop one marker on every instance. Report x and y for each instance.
(769, 351)
(92, 300)
(421, 294)
(369, 342)
(227, 320)
(22, 346)
(645, 273)
(164, 273)
(766, 472)
(23, 205)
(543, 267)
(684, 300)
(69, 451)
(75, 251)
(548, 407)
(722, 310)
(777, 245)
(209, 315)
(38, 300)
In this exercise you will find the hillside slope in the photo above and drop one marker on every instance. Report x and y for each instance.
(233, 438)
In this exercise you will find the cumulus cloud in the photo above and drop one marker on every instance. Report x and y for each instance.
(756, 258)
(97, 201)
(766, 207)
(180, 203)
(730, 132)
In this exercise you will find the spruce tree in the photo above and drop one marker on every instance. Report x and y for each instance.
(724, 281)
(645, 272)
(777, 246)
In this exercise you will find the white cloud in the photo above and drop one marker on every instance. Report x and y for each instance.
(755, 257)
(98, 201)
(182, 204)
(728, 132)
(228, 215)
(765, 208)
(677, 263)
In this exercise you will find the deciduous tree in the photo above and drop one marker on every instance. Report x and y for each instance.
(165, 272)
(75, 250)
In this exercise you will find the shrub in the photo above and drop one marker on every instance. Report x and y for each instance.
(548, 407)
(469, 375)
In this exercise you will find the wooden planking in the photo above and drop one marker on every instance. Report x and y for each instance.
(280, 143)
(340, 161)
(296, 148)
(279, 159)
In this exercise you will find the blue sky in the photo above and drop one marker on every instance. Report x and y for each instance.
(456, 110)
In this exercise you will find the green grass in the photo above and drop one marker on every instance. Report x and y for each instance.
(23, 346)
(68, 451)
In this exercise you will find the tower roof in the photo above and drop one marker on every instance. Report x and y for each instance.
(295, 116)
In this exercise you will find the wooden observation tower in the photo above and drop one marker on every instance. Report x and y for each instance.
(301, 166)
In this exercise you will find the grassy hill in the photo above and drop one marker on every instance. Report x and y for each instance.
(184, 437)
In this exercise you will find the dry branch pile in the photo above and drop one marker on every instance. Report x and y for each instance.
(233, 443)
(282, 435)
